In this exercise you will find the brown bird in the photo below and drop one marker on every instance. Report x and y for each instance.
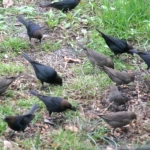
(118, 119)
(5, 82)
(116, 97)
(96, 58)
(117, 46)
(19, 123)
(119, 77)
(33, 30)
(53, 104)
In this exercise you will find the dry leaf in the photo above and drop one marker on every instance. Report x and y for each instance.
(71, 60)
(109, 148)
(71, 128)
(7, 3)
(7, 145)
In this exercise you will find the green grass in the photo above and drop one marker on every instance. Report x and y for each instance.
(122, 19)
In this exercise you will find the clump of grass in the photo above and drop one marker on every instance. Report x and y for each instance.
(51, 20)
(14, 44)
(11, 68)
(127, 18)
(51, 46)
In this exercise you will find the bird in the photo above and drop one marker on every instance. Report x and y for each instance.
(6, 81)
(96, 58)
(64, 5)
(20, 122)
(33, 30)
(117, 46)
(116, 97)
(53, 104)
(117, 119)
(44, 73)
(144, 55)
(119, 77)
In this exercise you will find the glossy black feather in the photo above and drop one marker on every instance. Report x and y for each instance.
(20, 122)
(44, 73)
(53, 104)
(64, 5)
(117, 46)
(33, 30)
(144, 55)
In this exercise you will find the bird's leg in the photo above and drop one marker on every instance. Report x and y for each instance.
(42, 87)
(30, 39)
(50, 113)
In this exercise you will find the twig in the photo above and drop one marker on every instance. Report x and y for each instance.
(107, 107)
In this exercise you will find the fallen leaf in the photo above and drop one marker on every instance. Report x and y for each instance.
(71, 128)
(71, 60)
(109, 148)
(7, 3)
(7, 145)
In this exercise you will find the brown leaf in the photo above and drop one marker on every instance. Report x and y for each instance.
(71, 60)
(71, 128)
(7, 3)
(109, 148)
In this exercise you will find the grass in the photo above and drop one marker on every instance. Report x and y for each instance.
(122, 19)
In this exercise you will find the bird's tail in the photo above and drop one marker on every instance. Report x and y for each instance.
(23, 21)
(33, 109)
(45, 5)
(83, 47)
(35, 93)
(27, 57)
(93, 112)
(133, 51)
(100, 32)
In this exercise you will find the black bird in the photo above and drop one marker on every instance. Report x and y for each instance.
(117, 46)
(144, 55)
(64, 5)
(19, 123)
(97, 58)
(44, 73)
(5, 82)
(53, 104)
(33, 30)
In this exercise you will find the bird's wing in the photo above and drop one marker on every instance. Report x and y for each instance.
(25, 119)
(45, 71)
(111, 71)
(115, 117)
(6, 81)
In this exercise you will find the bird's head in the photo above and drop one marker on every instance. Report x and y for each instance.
(38, 35)
(113, 88)
(58, 80)
(9, 119)
(66, 105)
